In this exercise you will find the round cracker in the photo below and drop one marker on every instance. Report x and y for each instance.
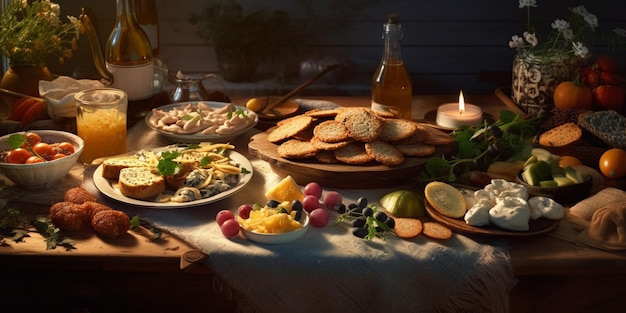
(384, 152)
(331, 131)
(397, 129)
(436, 230)
(407, 227)
(353, 153)
(289, 130)
(296, 149)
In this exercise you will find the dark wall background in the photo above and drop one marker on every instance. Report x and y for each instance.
(448, 45)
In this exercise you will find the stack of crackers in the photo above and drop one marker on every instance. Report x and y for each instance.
(356, 136)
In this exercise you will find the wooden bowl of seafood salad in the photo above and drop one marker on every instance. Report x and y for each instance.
(201, 121)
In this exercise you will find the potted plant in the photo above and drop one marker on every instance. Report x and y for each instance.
(242, 40)
(30, 32)
(542, 62)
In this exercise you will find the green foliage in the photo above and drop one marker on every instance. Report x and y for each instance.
(475, 148)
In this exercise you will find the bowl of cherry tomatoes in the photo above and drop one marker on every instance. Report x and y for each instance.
(38, 159)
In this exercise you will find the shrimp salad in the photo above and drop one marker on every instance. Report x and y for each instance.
(202, 119)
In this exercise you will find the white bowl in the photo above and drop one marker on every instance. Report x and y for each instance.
(44, 174)
(151, 120)
(274, 239)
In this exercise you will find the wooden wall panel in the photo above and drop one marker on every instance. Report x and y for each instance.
(448, 44)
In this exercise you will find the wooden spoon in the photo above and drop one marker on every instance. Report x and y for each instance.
(269, 106)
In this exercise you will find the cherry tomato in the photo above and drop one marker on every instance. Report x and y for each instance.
(607, 97)
(18, 156)
(567, 160)
(44, 150)
(65, 147)
(58, 156)
(31, 139)
(34, 159)
(612, 163)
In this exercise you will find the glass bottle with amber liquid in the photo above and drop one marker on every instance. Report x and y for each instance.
(128, 54)
(391, 85)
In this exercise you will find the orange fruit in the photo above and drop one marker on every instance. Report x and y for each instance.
(567, 160)
(572, 95)
(612, 163)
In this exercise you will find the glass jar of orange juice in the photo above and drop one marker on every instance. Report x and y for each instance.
(101, 122)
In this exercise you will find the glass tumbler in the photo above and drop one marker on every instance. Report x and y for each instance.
(101, 122)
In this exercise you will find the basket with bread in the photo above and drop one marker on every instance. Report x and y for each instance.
(585, 134)
(173, 174)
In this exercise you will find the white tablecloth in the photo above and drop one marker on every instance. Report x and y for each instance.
(329, 269)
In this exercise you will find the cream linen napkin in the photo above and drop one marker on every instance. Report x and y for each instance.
(328, 269)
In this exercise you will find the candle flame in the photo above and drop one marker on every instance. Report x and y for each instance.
(461, 103)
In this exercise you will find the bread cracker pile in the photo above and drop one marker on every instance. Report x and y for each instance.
(355, 136)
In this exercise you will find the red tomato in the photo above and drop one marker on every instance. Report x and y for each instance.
(44, 150)
(65, 147)
(58, 156)
(605, 63)
(18, 156)
(608, 97)
(34, 159)
(608, 78)
(590, 77)
(31, 139)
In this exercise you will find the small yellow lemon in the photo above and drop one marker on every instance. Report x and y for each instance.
(255, 105)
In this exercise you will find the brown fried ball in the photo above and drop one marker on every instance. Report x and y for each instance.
(68, 216)
(92, 208)
(110, 223)
(78, 195)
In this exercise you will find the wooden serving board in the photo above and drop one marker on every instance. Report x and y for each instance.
(339, 175)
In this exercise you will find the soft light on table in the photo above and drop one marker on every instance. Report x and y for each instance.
(454, 115)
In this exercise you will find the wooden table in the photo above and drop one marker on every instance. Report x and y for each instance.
(140, 273)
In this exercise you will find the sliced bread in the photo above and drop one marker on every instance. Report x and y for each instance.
(140, 183)
(609, 126)
(562, 135)
(111, 167)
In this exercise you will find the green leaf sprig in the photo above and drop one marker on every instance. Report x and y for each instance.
(374, 227)
(475, 148)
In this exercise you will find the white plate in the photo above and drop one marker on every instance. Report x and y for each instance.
(107, 187)
(274, 239)
(195, 138)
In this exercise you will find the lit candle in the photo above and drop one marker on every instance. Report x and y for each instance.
(454, 115)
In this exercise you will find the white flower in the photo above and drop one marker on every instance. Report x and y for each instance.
(527, 3)
(516, 42)
(620, 31)
(579, 49)
(24, 3)
(531, 38)
(560, 25)
(592, 20)
(580, 10)
(568, 34)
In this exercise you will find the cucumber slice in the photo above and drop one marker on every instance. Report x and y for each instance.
(548, 183)
(574, 175)
(562, 180)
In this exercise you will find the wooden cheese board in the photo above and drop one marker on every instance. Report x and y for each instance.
(374, 175)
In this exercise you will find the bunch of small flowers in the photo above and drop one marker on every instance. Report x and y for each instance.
(568, 37)
(30, 32)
